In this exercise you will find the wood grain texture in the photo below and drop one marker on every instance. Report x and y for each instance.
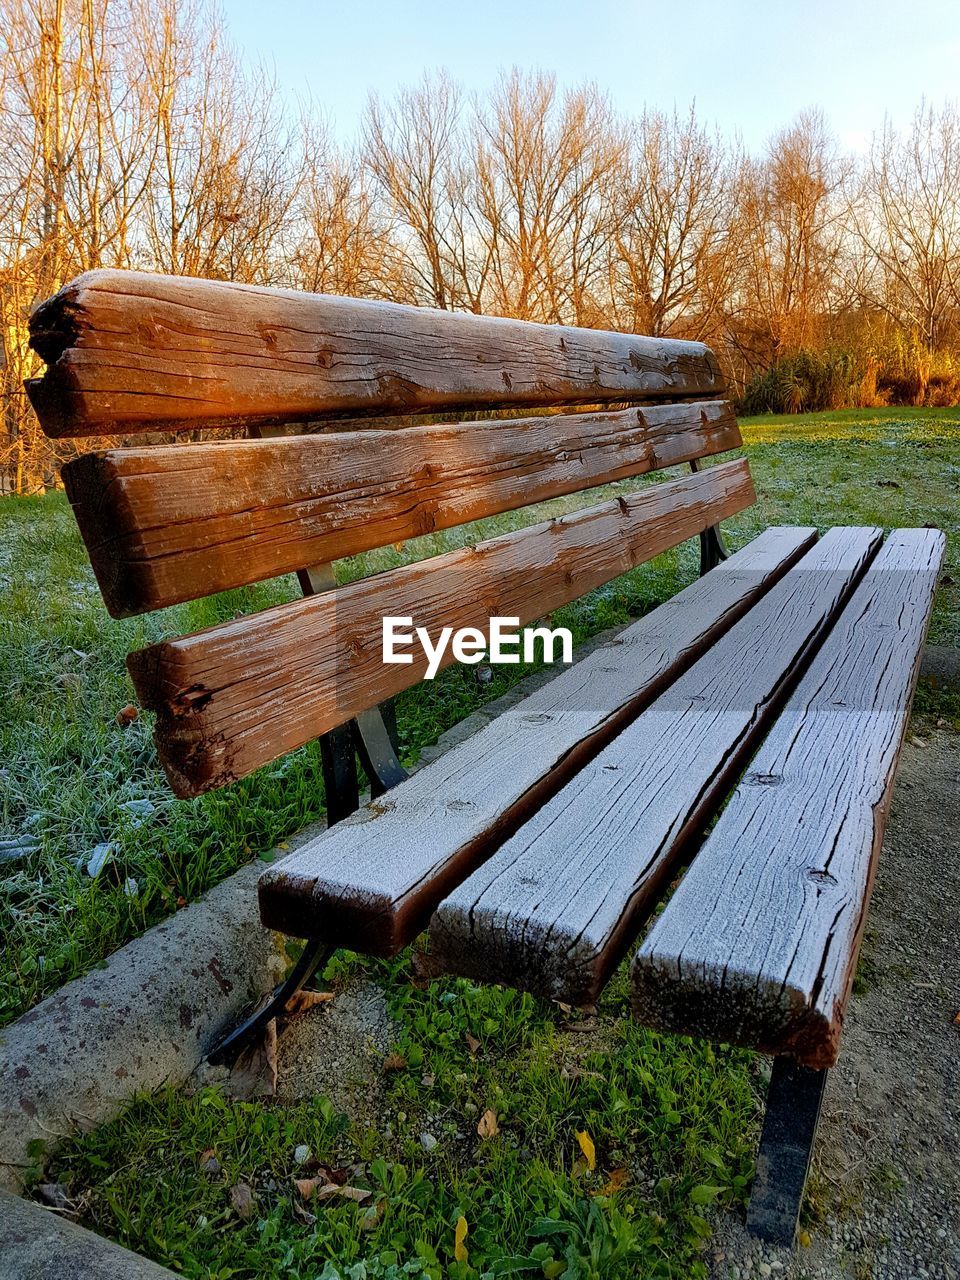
(758, 946)
(238, 695)
(129, 351)
(371, 882)
(167, 524)
(554, 909)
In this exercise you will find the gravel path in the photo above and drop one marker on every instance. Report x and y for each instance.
(885, 1189)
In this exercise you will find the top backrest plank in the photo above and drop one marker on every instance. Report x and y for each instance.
(128, 351)
(171, 523)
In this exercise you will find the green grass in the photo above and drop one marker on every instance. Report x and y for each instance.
(679, 1116)
(674, 1119)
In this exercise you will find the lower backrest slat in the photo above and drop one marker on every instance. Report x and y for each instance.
(758, 945)
(236, 696)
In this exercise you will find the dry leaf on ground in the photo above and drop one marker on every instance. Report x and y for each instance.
(255, 1072)
(588, 1149)
(301, 1001)
(460, 1252)
(488, 1127)
(616, 1182)
(241, 1200)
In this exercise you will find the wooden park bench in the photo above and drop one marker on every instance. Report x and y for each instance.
(536, 851)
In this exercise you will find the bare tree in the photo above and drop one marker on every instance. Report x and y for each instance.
(790, 230)
(905, 220)
(547, 167)
(413, 146)
(673, 264)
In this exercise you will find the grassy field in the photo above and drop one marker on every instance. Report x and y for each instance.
(673, 1123)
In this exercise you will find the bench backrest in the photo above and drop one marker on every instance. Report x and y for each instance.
(130, 353)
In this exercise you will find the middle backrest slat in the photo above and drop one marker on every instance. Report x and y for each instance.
(172, 523)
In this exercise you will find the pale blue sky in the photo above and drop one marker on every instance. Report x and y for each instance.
(750, 66)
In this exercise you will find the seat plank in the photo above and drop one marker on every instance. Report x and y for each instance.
(759, 944)
(554, 909)
(167, 524)
(370, 882)
(130, 352)
(238, 695)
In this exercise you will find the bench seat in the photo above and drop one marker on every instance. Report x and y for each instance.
(535, 851)
(370, 882)
(557, 905)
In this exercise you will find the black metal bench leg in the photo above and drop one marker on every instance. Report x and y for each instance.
(786, 1145)
(314, 955)
(713, 549)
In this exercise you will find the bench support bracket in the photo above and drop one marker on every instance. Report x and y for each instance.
(713, 550)
(313, 957)
(786, 1145)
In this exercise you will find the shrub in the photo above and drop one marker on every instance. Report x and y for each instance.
(804, 382)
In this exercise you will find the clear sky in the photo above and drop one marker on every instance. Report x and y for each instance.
(750, 66)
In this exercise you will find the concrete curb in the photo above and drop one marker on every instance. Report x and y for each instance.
(143, 1020)
(37, 1244)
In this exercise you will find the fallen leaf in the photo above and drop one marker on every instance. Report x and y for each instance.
(126, 715)
(957, 1019)
(394, 1062)
(303, 1215)
(587, 1147)
(355, 1193)
(473, 1044)
(460, 1251)
(306, 1186)
(209, 1162)
(488, 1127)
(241, 1200)
(254, 1075)
(804, 1239)
(616, 1182)
(371, 1219)
(302, 1000)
